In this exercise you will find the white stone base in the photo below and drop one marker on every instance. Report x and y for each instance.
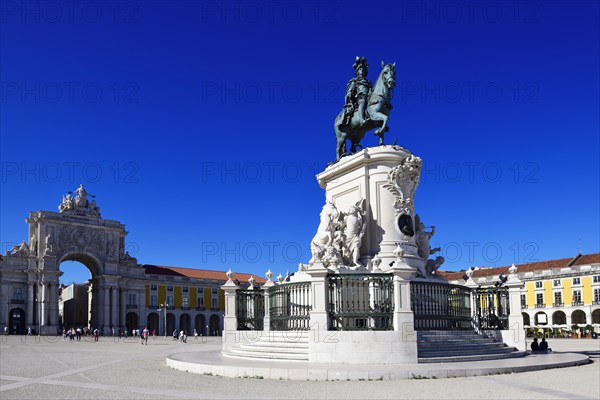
(363, 347)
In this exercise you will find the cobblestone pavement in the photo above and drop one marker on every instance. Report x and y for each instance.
(50, 368)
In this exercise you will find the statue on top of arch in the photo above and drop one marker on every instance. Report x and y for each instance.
(79, 204)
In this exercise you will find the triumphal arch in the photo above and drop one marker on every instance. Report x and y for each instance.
(77, 232)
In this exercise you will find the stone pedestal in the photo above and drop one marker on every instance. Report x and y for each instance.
(386, 177)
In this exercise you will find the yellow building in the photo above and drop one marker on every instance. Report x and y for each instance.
(183, 299)
(556, 293)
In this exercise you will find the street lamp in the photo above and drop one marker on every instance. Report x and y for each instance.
(164, 307)
(39, 310)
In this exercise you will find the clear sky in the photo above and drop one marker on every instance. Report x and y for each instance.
(201, 125)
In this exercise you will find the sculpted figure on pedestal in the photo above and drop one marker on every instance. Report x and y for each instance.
(48, 245)
(67, 203)
(423, 238)
(32, 245)
(339, 237)
(79, 204)
(20, 250)
(81, 198)
(354, 230)
(432, 266)
(366, 107)
(324, 236)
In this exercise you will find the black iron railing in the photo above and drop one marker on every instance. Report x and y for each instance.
(289, 306)
(360, 302)
(250, 310)
(440, 306)
(492, 308)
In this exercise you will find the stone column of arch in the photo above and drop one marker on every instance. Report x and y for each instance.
(53, 303)
(29, 317)
(142, 310)
(4, 305)
(105, 305)
(115, 307)
(43, 303)
(90, 299)
(123, 309)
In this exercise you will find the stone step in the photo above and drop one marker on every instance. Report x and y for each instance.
(273, 349)
(444, 340)
(457, 352)
(463, 334)
(290, 337)
(466, 358)
(443, 347)
(239, 353)
(484, 342)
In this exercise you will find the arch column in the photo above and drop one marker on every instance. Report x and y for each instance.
(4, 305)
(43, 304)
(123, 312)
(106, 308)
(114, 307)
(53, 303)
(29, 317)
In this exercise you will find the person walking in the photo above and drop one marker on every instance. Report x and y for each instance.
(145, 334)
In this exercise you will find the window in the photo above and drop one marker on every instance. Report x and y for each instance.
(18, 293)
(132, 299)
(185, 301)
(523, 301)
(186, 289)
(576, 281)
(538, 285)
(596, 296)
(153, 286)
(556, 283)
(539, 299)
(558, 299)
(215, 291)
(170, 301)
(200, 302)
(214, 303)
(153, 301)
(576, 297)
(169, 288)
(596, 279)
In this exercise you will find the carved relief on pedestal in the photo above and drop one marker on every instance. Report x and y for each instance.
(402, 183)
(339, 237)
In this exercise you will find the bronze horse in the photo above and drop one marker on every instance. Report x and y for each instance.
(378, 109)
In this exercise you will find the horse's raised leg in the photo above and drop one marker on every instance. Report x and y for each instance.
(382, 120)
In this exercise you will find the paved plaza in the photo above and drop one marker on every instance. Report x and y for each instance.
(51, 368)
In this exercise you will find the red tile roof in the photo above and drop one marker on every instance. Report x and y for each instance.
(534, 266)
(197, 273)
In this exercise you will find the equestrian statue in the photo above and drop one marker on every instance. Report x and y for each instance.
(367, 106)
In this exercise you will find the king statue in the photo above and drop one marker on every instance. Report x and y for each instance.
(366, 107)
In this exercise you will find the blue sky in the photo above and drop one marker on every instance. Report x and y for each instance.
(201, 125)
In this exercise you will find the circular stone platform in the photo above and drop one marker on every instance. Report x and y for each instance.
(214, 363)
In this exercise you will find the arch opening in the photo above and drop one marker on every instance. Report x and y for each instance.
(76, 303)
